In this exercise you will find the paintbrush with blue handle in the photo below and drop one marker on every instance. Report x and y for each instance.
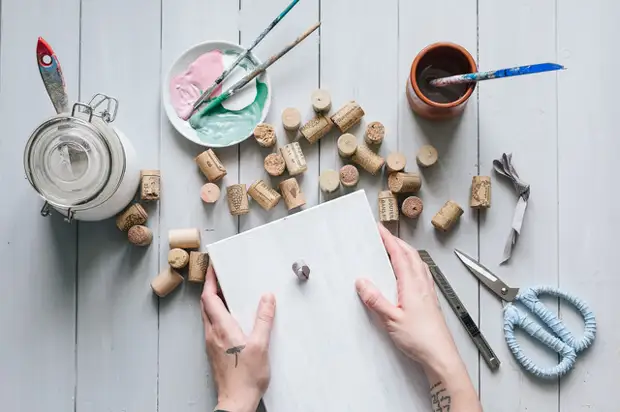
(207, 93)
(495, 74)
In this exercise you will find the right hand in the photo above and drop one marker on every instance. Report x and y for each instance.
(416, 324)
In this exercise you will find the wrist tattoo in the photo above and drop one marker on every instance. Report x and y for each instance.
(440, 400)
(235, 350)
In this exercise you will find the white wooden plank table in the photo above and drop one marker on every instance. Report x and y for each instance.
(79, 327)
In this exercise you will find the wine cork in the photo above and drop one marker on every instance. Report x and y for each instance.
(265, 135)
(293, 197)
(375, 132)
(427, 156)
(291, 119)
(166, 282)
(264, 195)
(294, 158)
(321, 101)
(388, 207)
(447, 216)
(210, 165)
(395, 162)
(210, 193)
(480, 192)
(198, 263)
(184, 238)
(347, 144)
(150, 185)
(140, 235)
(349, 175)
(178, 258)
(369, 160)
(274, 164)
(329, 181)
(132, 216)
(412, 207)
(237, 200)
(348, 116)
(316, 128)
(401, 182)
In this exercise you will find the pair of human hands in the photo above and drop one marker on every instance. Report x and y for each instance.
(416, 325)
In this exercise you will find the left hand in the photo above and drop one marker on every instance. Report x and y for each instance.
(240, 363)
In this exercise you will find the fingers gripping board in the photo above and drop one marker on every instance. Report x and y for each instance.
(327, 351)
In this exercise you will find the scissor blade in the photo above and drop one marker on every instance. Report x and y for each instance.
(487, 277)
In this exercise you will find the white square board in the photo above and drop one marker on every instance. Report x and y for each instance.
(327, 352)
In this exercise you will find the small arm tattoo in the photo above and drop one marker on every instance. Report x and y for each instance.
(440, 400)
(235, 350)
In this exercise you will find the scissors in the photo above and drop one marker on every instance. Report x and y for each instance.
(561, 341)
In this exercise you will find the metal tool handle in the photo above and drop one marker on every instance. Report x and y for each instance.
(481, 343)
(462, 314)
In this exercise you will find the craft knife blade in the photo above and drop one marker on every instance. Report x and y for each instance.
(455, 303)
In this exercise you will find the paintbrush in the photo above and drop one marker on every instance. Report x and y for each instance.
(52, 77)
(250, 76)
(495, 74)
(207, 93)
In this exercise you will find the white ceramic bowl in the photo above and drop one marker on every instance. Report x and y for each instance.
(182, 63)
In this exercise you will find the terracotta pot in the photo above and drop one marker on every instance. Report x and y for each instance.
(439, 60)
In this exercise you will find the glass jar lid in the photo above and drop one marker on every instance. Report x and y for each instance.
(68, 161)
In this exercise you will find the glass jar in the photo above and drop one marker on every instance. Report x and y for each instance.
(80, 164)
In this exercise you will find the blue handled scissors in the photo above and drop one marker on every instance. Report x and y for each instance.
(561, 341)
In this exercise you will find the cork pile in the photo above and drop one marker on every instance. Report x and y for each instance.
(184, 245)
(183, 242)
(133, 219)
(402, 186)
(289, 158)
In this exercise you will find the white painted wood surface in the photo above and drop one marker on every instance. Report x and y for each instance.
(586, 240)
(79, 327)
(38, 300)
(325, 344)
(116, 314)
(533, 143)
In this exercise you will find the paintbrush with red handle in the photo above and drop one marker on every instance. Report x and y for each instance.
(52, 77)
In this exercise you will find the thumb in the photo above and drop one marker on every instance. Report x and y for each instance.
(374, 299)
(264, 320)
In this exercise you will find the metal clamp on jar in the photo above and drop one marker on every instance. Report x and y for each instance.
(80, 164)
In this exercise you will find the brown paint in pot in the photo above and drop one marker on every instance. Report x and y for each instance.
(439, 60)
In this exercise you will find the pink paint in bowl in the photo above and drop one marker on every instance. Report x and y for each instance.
(186, 88)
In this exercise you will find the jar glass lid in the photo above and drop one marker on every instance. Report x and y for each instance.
(67, 161)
